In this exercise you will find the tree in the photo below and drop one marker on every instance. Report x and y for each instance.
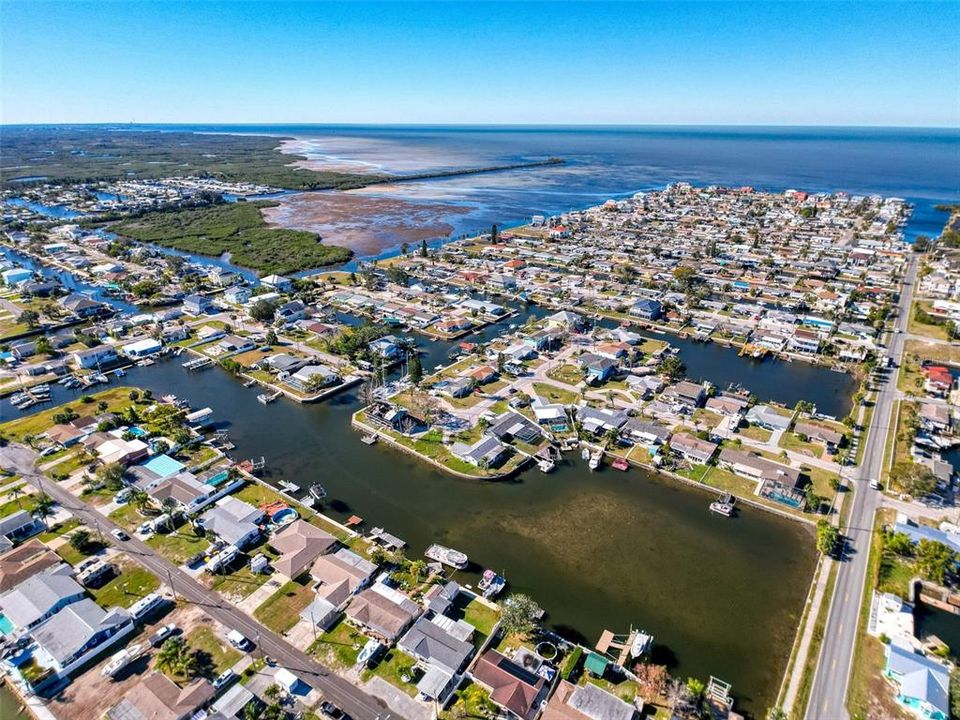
(176, 657)
(776, 713)
(685, 276)
(519, 615)
(140, 499)
(913, 478)
(415, 371)
(80, 539)
(418, 568)
(43, 346)
(828, 538)
(672, 367)
(652, 680)
(111, 475)
(264, 310)
(935, 560)
(43, 508)
(898, 543)
(423, 248)
(30, 318)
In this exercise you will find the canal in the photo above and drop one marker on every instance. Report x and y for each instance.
(597, 550)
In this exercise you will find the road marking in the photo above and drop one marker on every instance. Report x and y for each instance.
(833, 665)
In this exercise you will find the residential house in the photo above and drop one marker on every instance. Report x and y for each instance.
(277, 282)
(598, 369)
(431, 644)
(237, 294)
(645, 431)
(689, 394)
(235, 522)
(39, 597)
(341, 574)
(310, 378)
(198, 304)
(191, 493)
(23, 562)
(512, 687)
(831, 438)
(647, 309)
(157, 697)
(95, 356)
(487, 452)
(291, 312)
(767, 418)
(382, 611)
(600, 420)
(693, 448)
(299, 545)
(586, 702)
(922, 684)
(81, 305)
(19, 526)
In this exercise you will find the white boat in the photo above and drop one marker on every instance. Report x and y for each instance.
(595, 459)
(546, 465)
(724, 506)
(368, 652)
(121, 659)
(642, 643)
(447, 556)
(491, 584)
(318, 492)
(585, 454)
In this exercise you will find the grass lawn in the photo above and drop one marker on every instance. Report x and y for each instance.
(72, 556)
(22, 502)
(180, 545)
(257, 494)
(127, 516)
(470, 701)
(59, 529)
(391, 667)
(339, 645)
(755, 432)
(117, 399)
(567, 374)
(552, 393)
(281, 611)
(215, 656)
(483, 618)
(133, 583)
(791, 441)
(915, 327)
(821, 480)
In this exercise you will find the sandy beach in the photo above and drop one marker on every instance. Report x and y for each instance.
(368, 225)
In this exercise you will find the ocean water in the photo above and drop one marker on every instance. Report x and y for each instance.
(920, 165)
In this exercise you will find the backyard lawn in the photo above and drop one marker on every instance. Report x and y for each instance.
(392, 667)
(133, 583)
(339, 645)
(215, 655)
(180, 545)
(553, 394)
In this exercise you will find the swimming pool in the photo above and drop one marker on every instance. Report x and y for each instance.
(163, 466)
(6, 627)
(218, 478)
(284, 517)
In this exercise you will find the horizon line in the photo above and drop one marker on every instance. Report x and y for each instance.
(477, 125)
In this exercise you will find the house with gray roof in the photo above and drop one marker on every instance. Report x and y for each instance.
(40, 597)
(587, 702)
(75, 634)
(19, 526)
(432, 645)
(922, 684)
(486, 452)
(766, 417)
(233, 521)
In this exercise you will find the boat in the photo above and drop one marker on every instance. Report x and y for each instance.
(447, 556)
(317, 492)
(491, 584)
(585, 454)
(121, 659)
(595, 459)
(642, 643)
(368, 652)
(620, 464)
(724, 506)
(266, 398)
(546, 465)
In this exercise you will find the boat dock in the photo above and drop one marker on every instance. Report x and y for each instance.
(382, 537)
(622, 648)
(200, 363)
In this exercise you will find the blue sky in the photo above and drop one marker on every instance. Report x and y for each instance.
(848, 63)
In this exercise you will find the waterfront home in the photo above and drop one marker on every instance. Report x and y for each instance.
(487, 452)
(19, 526)
(157, 697)
(191, 494)
(767, 418)
(80, 305)
(111, 448)
(483, 374)
(922, 684)
(75, 635)
(806, 342)
(548, 413)
(23, 562)
(235, 522)
(891, 616)
(39, 597)
(290, 312)
(142, 348)
(600, 420)
(310, 378)
(916, 533)
(755, 467)
(935, 417)
(512, 425)
(286, 363)
(386, 347)
(441, 596)
(237, 294)
(511, 686)
(234, 344)
(646, 309)
(341, 574)
(458, 387)
(432, 645)
(586, 702)
(387, 415)
(645, 432)
(16, 276)
(693, 448)
(686, 393)
(279, 283)
(726, 405)
(198, 304)
(299, 545)
(95, 356)
(39, 289)
(382, 611)
(567, 320)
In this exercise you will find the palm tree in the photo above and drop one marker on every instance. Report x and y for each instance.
(272, 692)
(43, 508)
(140, 500)
(175, 657)
(16, 491)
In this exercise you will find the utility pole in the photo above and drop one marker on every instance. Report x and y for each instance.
(170, 580)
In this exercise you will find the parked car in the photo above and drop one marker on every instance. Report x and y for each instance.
(239, 641)
(156, 640)
(119, 534)
(224, 679)
(331, 711)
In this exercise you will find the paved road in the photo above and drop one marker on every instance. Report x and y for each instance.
(357, 703)
(829, 691)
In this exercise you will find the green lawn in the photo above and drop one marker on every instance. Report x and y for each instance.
(127, 517)
(179, 545)
(59, 529)
(339, 645)
(23, 502)
(117, 399)
(567, 374)
(215, 656)
(133, 583)
(72, 556)
(392, 666)
(483, 618)
(755, 432)
(240, 582)
(553, 394)
(791, 441)
(281, 611)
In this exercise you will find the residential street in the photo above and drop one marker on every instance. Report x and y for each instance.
(354, 701)
(830, 683)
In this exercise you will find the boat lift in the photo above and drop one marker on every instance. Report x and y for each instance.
(627, 647)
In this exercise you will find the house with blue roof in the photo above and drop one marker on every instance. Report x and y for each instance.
(922, 684)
